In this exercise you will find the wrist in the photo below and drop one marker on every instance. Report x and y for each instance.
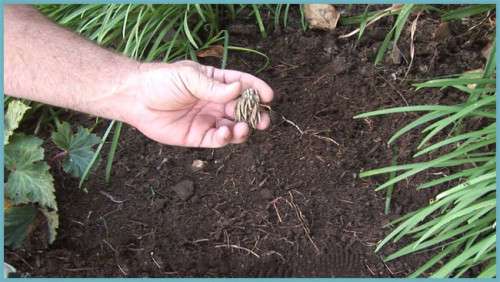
(121, 101)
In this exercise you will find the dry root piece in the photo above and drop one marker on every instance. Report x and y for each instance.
(248, 107)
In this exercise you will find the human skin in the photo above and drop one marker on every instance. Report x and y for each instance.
(182, 103)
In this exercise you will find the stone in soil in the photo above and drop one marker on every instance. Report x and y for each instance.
(184, 189)
(266, 194)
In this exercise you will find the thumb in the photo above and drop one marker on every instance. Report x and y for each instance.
(211, 90)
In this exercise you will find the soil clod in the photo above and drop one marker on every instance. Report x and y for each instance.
(184, 189)
(266, 194)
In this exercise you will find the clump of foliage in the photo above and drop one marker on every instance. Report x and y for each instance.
(460, 222)
(30, 187)
(402, 13)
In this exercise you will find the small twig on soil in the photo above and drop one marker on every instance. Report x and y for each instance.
(227, 238)
(200, 240)
(138, 222)
(372, 273)
(302, 132)
(239, 248)
(118, 208)
(109, 196)
(320, 78)
(480, 22)
(275, 253)
(116, 256)
(110, 246)
(135, 249)
(273, 202)
(395, 89)
(293, 124)
(78, 222)
(255, 246)
(121, 269)
(22, 259)
(369, 244)
(78, 269)
(105, 225)
(146, 234)
(346, 201)
(219, 169)
(325, 138)
(386, 266)
(154, 260)
(302, 220)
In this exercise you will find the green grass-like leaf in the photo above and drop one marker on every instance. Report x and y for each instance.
(460, 220)
(468, 11)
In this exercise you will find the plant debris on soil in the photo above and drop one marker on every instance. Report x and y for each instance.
(287, 203)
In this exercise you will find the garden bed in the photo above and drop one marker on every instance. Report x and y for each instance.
(288, 202)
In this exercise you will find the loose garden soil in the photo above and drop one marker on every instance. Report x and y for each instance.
(287, 203)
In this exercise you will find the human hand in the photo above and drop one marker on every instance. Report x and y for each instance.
(189, 104)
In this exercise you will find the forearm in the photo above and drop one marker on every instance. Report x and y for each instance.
(49, 64)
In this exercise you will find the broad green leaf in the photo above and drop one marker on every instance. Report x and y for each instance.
(17, 223)
(13, 116)
(22, 151)
(32, 183)
(62, 136)
(29, 180)
(78, 148)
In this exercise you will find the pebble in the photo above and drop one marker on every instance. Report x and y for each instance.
(184, 189)
(198, 165)
(266, 194)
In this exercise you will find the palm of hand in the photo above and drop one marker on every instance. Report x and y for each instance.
(187, 104)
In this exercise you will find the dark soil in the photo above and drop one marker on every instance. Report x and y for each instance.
(289, 202)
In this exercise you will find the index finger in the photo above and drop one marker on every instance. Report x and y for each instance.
(247, 81)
